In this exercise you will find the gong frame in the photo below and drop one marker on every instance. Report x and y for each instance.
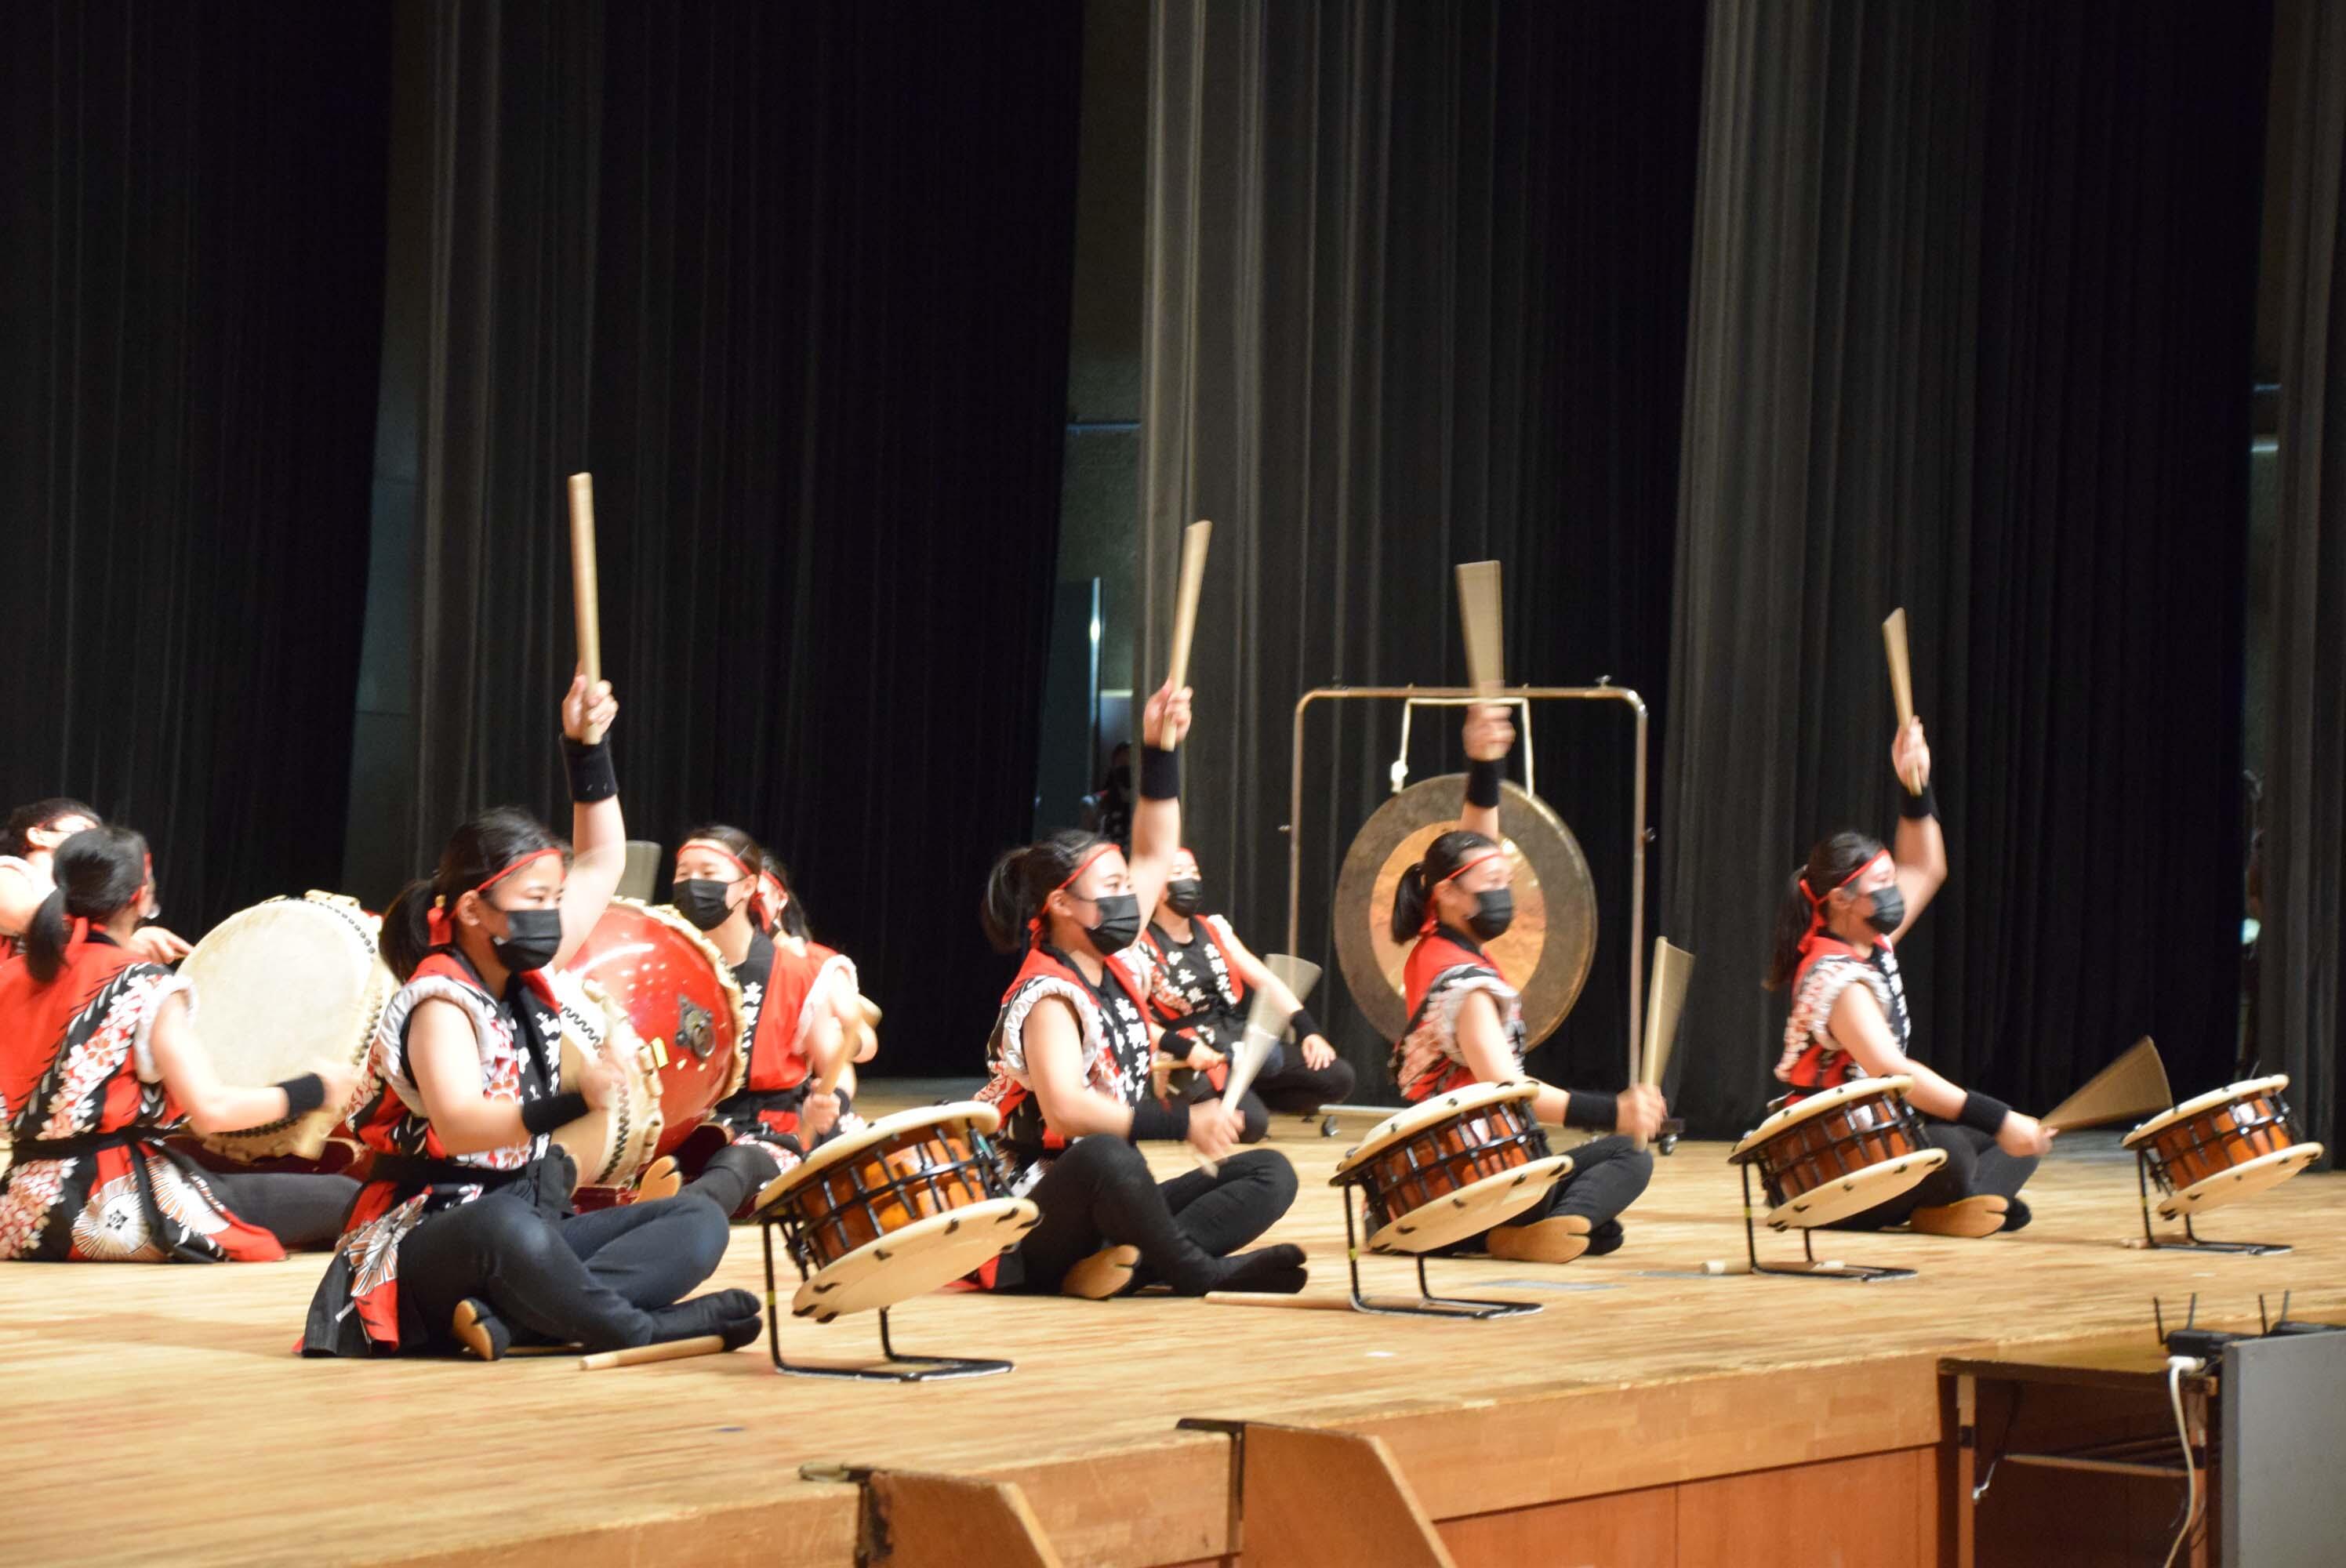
(1638, 833)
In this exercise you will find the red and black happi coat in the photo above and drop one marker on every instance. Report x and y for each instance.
(356, 1309)
(1195, 989)
(1812, 1060)
(86, 1110)
(1113, 1017)
(783, 985)
(1444, 968)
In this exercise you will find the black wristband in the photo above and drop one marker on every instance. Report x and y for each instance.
(303, 1095)
(1599, 1112)
(1153, 1121)
(1982, 1114)
(554, 1110)
(592, 777)
(1483, 783)
(1915, 807)
(1160, 774)
(1302, 1026)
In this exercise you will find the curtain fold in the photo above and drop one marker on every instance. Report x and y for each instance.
(191, 291)
(793, 282)
(2303, 942)
(1415, 295)
(1971, 323)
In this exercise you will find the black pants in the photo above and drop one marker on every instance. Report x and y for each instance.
(1286, 1085)
(1100, 1191)
(1608, 1175)
(605, 1280)
(300, 1210)
(1974, 1166)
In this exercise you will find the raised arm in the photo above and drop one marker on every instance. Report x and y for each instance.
(598, 831)
(1157, 820)
(1920, 850)
(1490, 735)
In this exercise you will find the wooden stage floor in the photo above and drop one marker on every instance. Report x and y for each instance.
(158, 1414)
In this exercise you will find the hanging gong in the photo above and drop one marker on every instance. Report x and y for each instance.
(1546, 952)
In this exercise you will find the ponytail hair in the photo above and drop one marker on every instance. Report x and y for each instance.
(477, 851)
(16, 839)
(1414, 893)
(1023, 879)
(98, 873)
(1832, 863)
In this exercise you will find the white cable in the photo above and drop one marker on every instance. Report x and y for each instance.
(2176, 1366)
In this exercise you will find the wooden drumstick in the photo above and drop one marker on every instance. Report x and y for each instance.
(1479, 620)
(641, 1355)
(583, 592)
(1902, 678)
(1195, 540)
(1666, 989)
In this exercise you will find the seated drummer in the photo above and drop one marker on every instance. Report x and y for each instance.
(27, 845)
(1070, 1056)
(1467, 1021)
(787, 1103)
(1836, 946)
(832, 977)
(1199, 981)
(465, 1237)
(99, 1058)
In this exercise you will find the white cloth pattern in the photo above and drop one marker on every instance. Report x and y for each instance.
(501, 1061)
(1810, 1020)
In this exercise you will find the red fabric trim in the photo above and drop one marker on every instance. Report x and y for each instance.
(1034, 922)
(441, 930)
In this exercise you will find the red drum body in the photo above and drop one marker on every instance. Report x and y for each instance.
(680, 996)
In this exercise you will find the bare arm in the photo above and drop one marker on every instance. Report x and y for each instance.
(598, 830)
(1259, 977)
(1859, 1028)
(1055, 1070)
(1920, 850)
(1490, 736)
(1156, 824)
(1636, 1109)
(211, 1105)
(444, 1061)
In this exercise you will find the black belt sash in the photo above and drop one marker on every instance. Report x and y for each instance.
(83, 1143)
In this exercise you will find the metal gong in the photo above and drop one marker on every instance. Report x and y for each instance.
(1547, 951)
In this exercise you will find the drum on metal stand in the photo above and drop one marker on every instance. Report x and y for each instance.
(611, 1147)
(279, 986)
(1832, 1155)
(1440, 1173)
(896, 1209)
(2227, 1144)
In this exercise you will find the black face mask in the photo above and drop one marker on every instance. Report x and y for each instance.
(1494, 911)
(1119, 779)
(1182, 895)
(1119, 924)
(1889, 910)
(532, 938)
(701, 901)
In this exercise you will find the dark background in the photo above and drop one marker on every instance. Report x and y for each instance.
(1727, 326)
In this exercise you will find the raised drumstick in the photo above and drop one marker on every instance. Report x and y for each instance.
(1479, 620)
(583, 592)
(1902, 677)
(1195, 540)
(1666, 990)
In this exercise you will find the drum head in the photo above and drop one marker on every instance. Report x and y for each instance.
(612, 1145)
(279, 987)
(946, 1120)
(915, 1259)
(2243, 1180)
(2207, 1102)
(1856, 1192)
(1472, 1210)
(1815, 1105)
(1546, 953)
(1440, 1108)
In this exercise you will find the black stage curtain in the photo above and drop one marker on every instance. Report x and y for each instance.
(1971, 319)
(191, 296)
(2304, 944)
(1416, 296)
(793, 282)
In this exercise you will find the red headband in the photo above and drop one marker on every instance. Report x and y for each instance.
(1035, 922)
(766, 903)
(1468, 864)
(438, 926)
(1817, 904)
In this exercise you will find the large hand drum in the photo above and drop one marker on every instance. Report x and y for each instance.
(679, 994)
(280, 987)
(911, 1202)
(2225, 1145)
(612, 1145)
(1451, 1167)
(1838, 1152)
